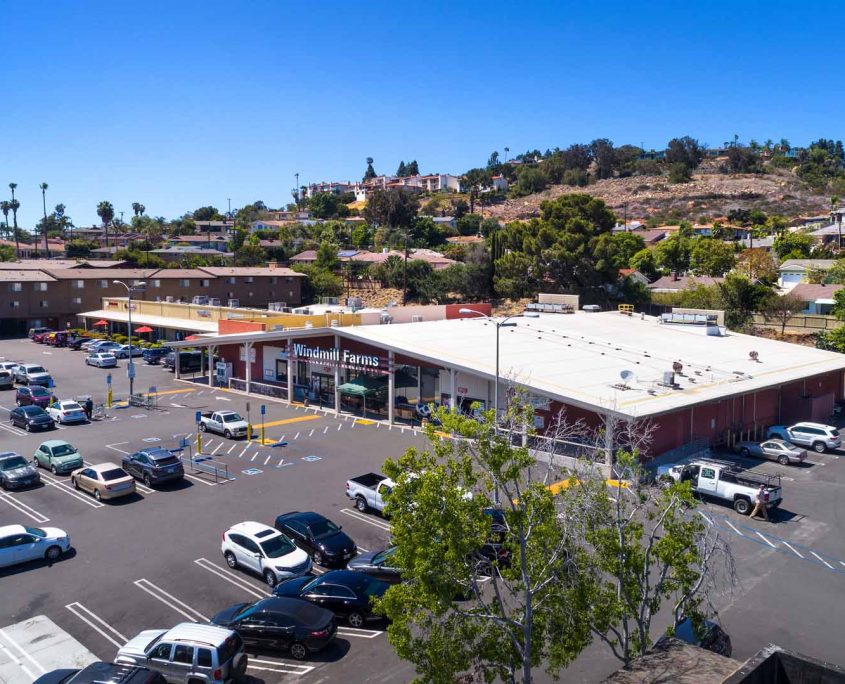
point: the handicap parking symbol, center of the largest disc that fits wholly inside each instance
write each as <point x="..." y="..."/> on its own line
<point x="311" y="459"/>
<point x="151" y="439"/>
<point x="252" y="471"/>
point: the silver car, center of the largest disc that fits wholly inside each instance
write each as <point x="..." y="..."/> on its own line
<point x="101" y="360"/>
<point x="32" y="374"/>
<point x="778" y="450"/>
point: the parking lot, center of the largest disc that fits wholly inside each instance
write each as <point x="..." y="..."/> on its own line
<point x="153" y="559"/>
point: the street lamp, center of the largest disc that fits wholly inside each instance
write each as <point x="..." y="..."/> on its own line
<point x="130" y="370"/>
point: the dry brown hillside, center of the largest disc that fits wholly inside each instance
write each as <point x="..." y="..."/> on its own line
<point x="710" y="193"/>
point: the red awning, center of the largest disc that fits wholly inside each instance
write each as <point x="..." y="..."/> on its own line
<point x="189" y="338"/>
<point x="143" y="329"/>
<point x="100" y="322"/>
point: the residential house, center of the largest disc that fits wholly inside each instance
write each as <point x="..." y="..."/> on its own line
<point x="445" y="222"/>
<point x="794" y="271"/>
<point x="435" y="259"/>
<point x="678" y="283"/>
<point x="818" y="299"/>
<point x="500" y="183"/>
<point x="175" y="253"/>
<point x="830" y="234"/>
<point x="223" y="227"/>
<point x="632" y="274"/>
<point x="216" y="242"/>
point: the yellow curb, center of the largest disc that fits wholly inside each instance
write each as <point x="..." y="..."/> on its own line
<point x="286" y="421"/>
<point x="365" y="422"/>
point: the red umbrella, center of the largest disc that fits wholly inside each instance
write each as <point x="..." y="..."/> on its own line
<point x="143" y="329"/>
<point x="101" y="322"/>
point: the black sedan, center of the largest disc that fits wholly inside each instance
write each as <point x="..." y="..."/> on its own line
<point x="378" y="564"/>
<point x="31" y="418"/>
<point x="280" y="624"/>
<point x="346" y="593"/>
<point x="318" y="536"/>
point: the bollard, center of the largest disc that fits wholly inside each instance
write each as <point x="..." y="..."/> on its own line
<point x="249" y="432"/>
<point x="108" y="399"/>
<point x="199" y="442"/>
<point x="262" y="433"/>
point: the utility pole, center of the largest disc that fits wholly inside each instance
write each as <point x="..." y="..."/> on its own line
<point x="297" y="189"/>
<point x="229" y="200"/>
<point x="43" y="187"/>
<point x="405" y="273"/>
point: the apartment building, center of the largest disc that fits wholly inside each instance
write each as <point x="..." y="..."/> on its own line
<point x="54" y="296"/>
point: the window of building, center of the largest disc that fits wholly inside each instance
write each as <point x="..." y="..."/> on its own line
<point x="17" y="287"/>
<point x="15" y="305"/>
<point x="205" y="282"/>
<point x="40" y="287"/>
<point x="231" y="280"/>
<point x="230" y="295"/>
<point x="77" y="300"/>
<point x="274" y="280"/>
<point x="249" y="280"/>
<point x="184" y="282"/>
<point x="155" y="283"/>
<point x="78" y="284"/>
<point x="43" y="304"/>
<point x="288" y="279"/>
<point x="104" y="284"/>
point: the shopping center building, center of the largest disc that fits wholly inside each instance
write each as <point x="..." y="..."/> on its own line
<point x="690" y="378"/>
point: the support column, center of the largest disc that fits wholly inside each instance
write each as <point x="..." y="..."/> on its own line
<point x="177" y="367"/>
<point x="337" y="378"/>
<point x="290" y="371"/>
<point x="247" y="350"/>
<point x="452" y="384"/>
<point x="203" y="365"/>
<point x="212" y="369"/>
<point x="391" y="388"/>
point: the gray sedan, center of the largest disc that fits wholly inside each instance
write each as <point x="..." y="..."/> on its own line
<point x="778" y="450"/>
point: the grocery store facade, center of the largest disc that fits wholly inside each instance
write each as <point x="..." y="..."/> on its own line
<point x="691" y="382"/>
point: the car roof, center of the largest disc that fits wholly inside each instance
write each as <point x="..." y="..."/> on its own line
<point x="156" y="452"/>
<point x="252" y="528"/>
<point x="30" y="409"/>
<point x="821" y="426"/>
<point x="202" y="634"/>
<point x="346" y="578"/>
<point x="12" y="529"/>
<point x="55" y="442"/>
<point x="8" y="454"/>
<point x="100" y="467"/>
<point x="306" y="516"/>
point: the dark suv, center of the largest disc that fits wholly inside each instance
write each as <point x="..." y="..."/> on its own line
<point x="103" y="673"/>
<point x="189" y="361"/>
<point x="154" y="355"/>
<point x="153" y="466"/>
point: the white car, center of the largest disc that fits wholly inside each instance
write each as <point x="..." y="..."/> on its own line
<point x="101" y="360"/>
<point x="9" y="366"/>
<point x="103" y="346"/>
<point x="123" y="351"/>
<point x="67" y="411"/>
<point x="818" y="436"/>
<point x="265" y="551"/>
<point x="19" y="544"/>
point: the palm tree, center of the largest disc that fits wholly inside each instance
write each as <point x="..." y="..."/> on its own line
<point x="43" y="187"/>
<point x="4" y="207"/>
<point x="105" y="211"/>
<point x="507" y="151"/>
<point x="14" y="205"/>
<point x="138" y="208"/>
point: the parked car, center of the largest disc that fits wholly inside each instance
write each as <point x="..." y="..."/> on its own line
<point x="153" y="466"/>
<point x="226" y="423"/>
<point x="725" y="482"/>
<point x="708" y="636"/>
<point x="9" y="366"/>
<point x="19" y="544"/>
<point x="188" y="653"/>
<point x="101" y="360"/>
<point x="369" y="491"/>
<point x="189" y="361"/>
<point x="32" y="374"/>
<point x="324" y="541"/>
<point x="264" y="551"/>
<point x="103" y="346"/>
<point x="103" y="673"/>
<point x="7" y="379"/>
<point x="40" y="337"/>
<point x="378" y="564"/>
<point x="349" y="595"/>
<point x="76" y="343"/>
<point x="774" y="450"/>
<point x="104" y="481"/>
<point x="154" y="355"/>
<point x="280" y="624"/>
<point x="818" y="436"/>
<point x="58" y="456"/>
<point x="67" y="411"/>
<point x="122" y="352"/>
<point x="56" y="339"/>
<point x="36" y="395"/>
<point x="38" y="331"/>
<point x="16" y="472"/>
<point x="31" y="418"/>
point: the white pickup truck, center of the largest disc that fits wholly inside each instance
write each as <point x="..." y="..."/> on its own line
<point x="369" y="491"/>
<point x="226" y="423"/>
<point x="725" y="481"/>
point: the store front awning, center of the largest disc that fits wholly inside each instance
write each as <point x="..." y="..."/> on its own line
<point x="152" y="321"/>
<point x="364" y="386"/>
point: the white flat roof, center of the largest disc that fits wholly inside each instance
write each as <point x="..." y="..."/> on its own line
<point x="578" y="358"/>
<point x="153" y="321"/>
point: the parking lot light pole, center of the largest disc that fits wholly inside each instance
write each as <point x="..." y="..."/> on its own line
<point x="130" y="367"/>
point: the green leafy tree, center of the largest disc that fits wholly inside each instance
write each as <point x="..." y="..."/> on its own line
<point x="327" y="205"/>
<point x="469" y="224"/>
<point x="401" y="170"/>
<point x="626" y="246"/>
<point x="516" y="276"/>
<point x="832" y="340"/>
<point x="678" y="173"/>
<point x="208" y="213"/>
<point x="603" y="157"/>
<point x="392" y="208"/>
<point x="712" y="257"/>
<point x="327" y="257"/>
<point x="5" y="207"/>
<point x="529" y="180"/>
<point x="673" y="253"/>
<point x="250" y="254"/>
<point x="741" y="298"/>
<point x="646" y="263"/>
<point x="370" y="173"/>
<point x="758" y="264"/>
<point x="7" y="253"/>
<point x="75" y="249"/>
<point x="781" y="309"/>
<point x="14" y="205"/>
<point x="685" y="151"/>
<point x="138" y="209"/>
<point x="472" y="182"/>
<point x="412" y="168"/>
<point x="362" y="236"/>
<point x="426" y="233"/>
<point x="105" y="211"/>
<point x="322" y="283"/>
<point x="793" y="246"/>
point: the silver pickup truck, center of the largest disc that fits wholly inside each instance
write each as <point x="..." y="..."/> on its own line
<point x="726" y="482"/>
<point x="369" y="491"/>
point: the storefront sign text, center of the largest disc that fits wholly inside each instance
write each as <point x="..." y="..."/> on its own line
<point x="336" y="356"/>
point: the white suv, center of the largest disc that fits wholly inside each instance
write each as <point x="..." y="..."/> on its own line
<point x="818" y="436"/>
<point x="265" y="551"/>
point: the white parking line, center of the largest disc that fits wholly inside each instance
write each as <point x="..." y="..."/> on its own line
<point x="734" y="528"/>
<point x="287" y="668"/>
<point x="231" y="448"/>
<point x="70" y="491"/>
<point x="795" y="551"/>
<point x="154" y="591"/>
<point x="360" y="633"/>
<point x="22" y="651"/>
<point x="77" y="609"/>
<point x="311" y="434"/>
<point x="296" y="436"/>
<point x="705" y="517"/>
<point x="269" y="456"/>
<point x="254" y="456"/>
<point x="144" y="490"/>
<point x="240" y="455"/>
<point x="361" y="548"/>
<point x="822" y="559"/>
<point x="339" y="425"/>
<point x="770" y="543"/>
<point x="326" y="429"/>
<point x="14" y="430"/>
<point x="23" y="508"/>
<point x="11" y="656"/>
<point x="375" y="522"/>
<point x="231" y="577"/>
<point x="117" y="444"/>
<point x="219" y="446"/>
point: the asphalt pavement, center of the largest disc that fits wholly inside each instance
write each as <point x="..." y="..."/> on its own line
<point x="153" y="560"/>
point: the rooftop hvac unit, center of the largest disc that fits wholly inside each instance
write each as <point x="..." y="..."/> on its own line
<point x="214" y="301"/>
<point x="169" y="299"/>
<point x="416" y="319"/>
<point x="233" y="303"/>
<point x="591" y="308"/>
<point x="276" y="328"/>
<point x="668" y="379"/>
<point x="200" y="299"/>
<point x="385" y="319"/>
<point x="355" y="302"/>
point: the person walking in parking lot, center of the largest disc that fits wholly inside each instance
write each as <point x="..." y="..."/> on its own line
<point x="760" y="504"/>
<point x="88" y="406"/>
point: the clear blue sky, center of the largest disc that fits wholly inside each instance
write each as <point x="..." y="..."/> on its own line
<point x="180" y="104"/>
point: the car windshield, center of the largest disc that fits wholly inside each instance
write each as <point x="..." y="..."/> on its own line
<point x="373" y="587"/>
<point x="277" y="546"/>
<point x="33" y="411"/>
<point x="311" y="585"/>
<point x="168" y="460"/>
<point x="39" y="392"/>
<point x="232" y="417"/>
<point x="70" y="406"/>
<point x="36" y="531"/>
<point x="323" y="528"/>
<point x="247" y="610"/>
<point x="12" y="463"/>
<point x="384" y="556"/>
<point x="114" y="474"/>
<point x="35" y="369"/>
<point x="835" y="433"/>
<point x="64" y="450"/>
